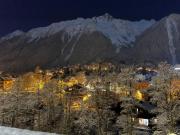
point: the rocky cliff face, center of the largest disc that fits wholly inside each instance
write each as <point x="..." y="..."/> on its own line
<point x="17" y="55"/>
<point x="161" y="42"/>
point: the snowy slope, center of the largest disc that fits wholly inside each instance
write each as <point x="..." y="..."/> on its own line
<point x="160" y="42"/>
<point x="120" y="32"/>
<point x="13" y="34"/>
<point x="172" y="27"/>
<point x="14" y="131"/>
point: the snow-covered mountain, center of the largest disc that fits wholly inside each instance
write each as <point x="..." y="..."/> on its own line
<point x="120" y="32"/>
<point x="102" y="38"/>
<point x="69" y="42"/>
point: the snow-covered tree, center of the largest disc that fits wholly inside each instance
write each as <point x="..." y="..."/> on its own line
<point x="168" y="108"/>
<point x="126" y="119"/>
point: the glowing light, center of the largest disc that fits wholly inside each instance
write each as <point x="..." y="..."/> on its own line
<point x="76" y="106"/>
<point x="8" y="84"/>
<point x="86" y="97"/>
<point x="138" y="95"/>
<point x="41" y="85"/>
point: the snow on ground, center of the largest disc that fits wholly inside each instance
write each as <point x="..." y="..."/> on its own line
<point x="14" y="131"/>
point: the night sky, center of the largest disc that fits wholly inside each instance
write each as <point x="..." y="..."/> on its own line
<point x="27" y="14"/>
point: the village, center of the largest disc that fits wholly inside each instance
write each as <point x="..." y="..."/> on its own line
<point x="101" y="95"/>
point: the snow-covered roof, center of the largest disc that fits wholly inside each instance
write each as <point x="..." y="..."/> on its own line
<point x="15" y="131"/>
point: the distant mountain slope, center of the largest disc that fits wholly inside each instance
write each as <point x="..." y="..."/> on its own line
<point x="161" y="42"/>
<point x="120" y="32"/>
<point x="70" y="42"/>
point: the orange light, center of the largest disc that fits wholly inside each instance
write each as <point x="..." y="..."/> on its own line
<point x="86" y="97"/>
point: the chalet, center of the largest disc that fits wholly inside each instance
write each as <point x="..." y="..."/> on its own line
<point x="79" y="98"/>
<point x="6" y="83"/>
<point x="140" y="88"/>
<point x="144" y="115"/>
<point x="79" y="79"/>
<point x="32" y="82"/>
<point x="119" y="89"/>
<point x="143" y="74"/>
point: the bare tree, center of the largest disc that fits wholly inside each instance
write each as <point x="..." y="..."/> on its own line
<point x="167" y="106"/>
<point x="126" y="119"/>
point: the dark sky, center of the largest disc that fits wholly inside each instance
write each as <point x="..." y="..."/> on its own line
<point x="27" y="14"/>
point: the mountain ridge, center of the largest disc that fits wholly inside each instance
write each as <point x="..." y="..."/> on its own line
<point x="162" y="41"/>
<point x="119" y="31"/>
<point x="83" y="41"/>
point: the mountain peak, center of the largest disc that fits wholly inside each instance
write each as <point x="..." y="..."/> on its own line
<point x="120" y="32"/>
<point x="107" y="17"/>
<point x="173" y="16"/>
<point x="13" y="34"/>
